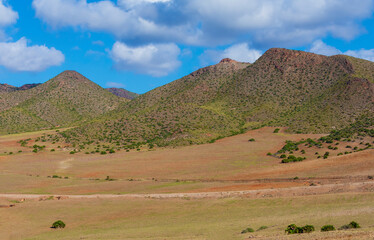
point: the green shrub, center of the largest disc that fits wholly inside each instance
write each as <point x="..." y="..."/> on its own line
<point x="327" y="228"/>
<point x="292" y="158"/>
<point x="352" y="224"/>
<point x="247" y="230"/>
<point x="293" y="229"/>
<point x="308" y="229"/>
<point x="262" y="228"/>
<point x="58" y="224"/>
<point x="276" y="130"/>
<point x="269" y="154"/>
<point x="251" y="140"/>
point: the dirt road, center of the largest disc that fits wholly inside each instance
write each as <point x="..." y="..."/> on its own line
<point x="367" y="186"/>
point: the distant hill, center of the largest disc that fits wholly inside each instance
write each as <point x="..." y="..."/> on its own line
<point x="10" y="88"/>
<point x="303" y="91"/>
<point x="120" y="92"/>
<point x="64" y="100"/>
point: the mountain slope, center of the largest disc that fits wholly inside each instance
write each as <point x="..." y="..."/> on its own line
<point x="10" y="88"/>
<point x="304" y="91"/>
<point x="120" y="92"/>
<point x="61" y="101"/>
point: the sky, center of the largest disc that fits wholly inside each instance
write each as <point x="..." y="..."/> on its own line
<point x="142" y="44"/>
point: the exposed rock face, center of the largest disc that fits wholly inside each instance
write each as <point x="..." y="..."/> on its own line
<point x="228" y="60"/>
<point x="123" y="93"/>
<point x="28" y="86"/>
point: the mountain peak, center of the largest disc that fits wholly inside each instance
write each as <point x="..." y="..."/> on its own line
<point x="227" y="60"/>
<point x="70" y="73"/>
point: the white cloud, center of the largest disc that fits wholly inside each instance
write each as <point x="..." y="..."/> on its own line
<point x="239" y="52"/>
<point x="128" y="4"/>
<point x="282" y="22"/>
<point x="153" y="59"/>
<point x="319" y="47"/>
<point x="17" y="56"/>
<point x="7" y="15"/>
<point x="105" y="16"/>
<point x="362" y="53"/>
<point x="266" y="23"/>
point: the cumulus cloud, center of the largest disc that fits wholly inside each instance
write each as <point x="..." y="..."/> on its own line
<point x="105" y="16"/>
<point x="266" y="23"/>
<point x="319" y="47"/>
<point x="17" y="56"/>
<point x="128" y="4"/>
<point x="362" y="53"/>
<point x="7" y="15"/>
<point x="239" y="52"/>
<point x="153" y="59"/>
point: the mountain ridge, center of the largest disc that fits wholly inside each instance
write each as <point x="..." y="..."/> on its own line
<point x="303" y="91"/>
<point x="63" y="100"/>
<point x="306" y="92"/>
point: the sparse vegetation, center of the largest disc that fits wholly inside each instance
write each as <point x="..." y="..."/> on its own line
<point x="58" y="224"/>
<point x="247" y="230"/>
<point x="352" y="224"/>
<point x="293" y="229"/>
<point x="262" y="228"/>
<point x="327" y="228"/>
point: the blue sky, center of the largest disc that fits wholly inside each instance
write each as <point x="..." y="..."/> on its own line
<point x="143" y="44"/>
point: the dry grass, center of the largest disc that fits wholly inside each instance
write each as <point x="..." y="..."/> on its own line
<point x="186" y="219"/>
<point x="212" y="167"/>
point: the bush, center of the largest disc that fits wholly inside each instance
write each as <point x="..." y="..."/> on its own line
<point x="251" y="140"/>
<point x="308" y="229"/>
<point x="292" y="158"/>
<point x="352" y="224"/>
<point x="276" y="130"/>
<point x="248" y="230"/>
<point x="58" y="224"/>
<point x="293" y="229"/>
<point x="327" y="228"/>
<point x="269" y="154"/>
<point x="262" y="228"/>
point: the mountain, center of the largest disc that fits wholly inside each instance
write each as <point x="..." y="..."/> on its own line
<point x="63" y="101"/>
<point x="303" y="91"/>
<point x="120" y="92"/>
<point x="10" y="88"/>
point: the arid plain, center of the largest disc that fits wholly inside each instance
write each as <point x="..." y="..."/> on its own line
<point x="208" y="191"/>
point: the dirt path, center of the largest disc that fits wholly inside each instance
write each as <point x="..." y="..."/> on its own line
<point x="263" y="193"/>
